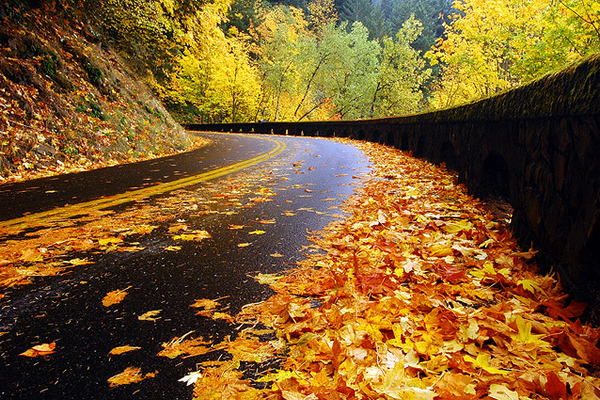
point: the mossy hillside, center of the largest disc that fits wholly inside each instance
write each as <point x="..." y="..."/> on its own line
<point x="69" y="102"/>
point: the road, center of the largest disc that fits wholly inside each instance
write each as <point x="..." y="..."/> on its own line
<point x="256" y="196"/>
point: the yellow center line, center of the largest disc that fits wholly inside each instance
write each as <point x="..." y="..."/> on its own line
<point x="46" y="217"/>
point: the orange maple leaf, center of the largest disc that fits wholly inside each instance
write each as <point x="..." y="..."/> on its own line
<point x="114" y="297"/>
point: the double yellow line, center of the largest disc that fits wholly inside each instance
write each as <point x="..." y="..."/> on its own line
<point x="47" y="217"/>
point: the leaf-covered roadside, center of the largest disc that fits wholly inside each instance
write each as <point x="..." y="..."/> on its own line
<point x="417" y="294"/>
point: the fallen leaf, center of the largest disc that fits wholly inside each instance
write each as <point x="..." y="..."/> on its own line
<point x="114" y="297"/>
<point x="31" y="255"/>
<point x="483" y="362"/>
<point x="123" y="349"/>
<point x="257" y="232"/>
<point x="79" y="261"/>
<point x="243" y="244"/>
<point x="128" y="376"/>
<point x="190" y="347"/>
<point x="177" y="228"/>
<point x="225" y="316"/>
<point x="531" y="285"/>
<point x="150" y="315"/>
<point x="500" y="392"/>
<point x="196" y="236"/>
<point x="43" y="349"/>
<point x="191" y="378"/>
<point x="266" y="221"/>
<point x="554" y="387"/>
<point x="144" y="229"/>
<point x="235" y="227"/>
<point x="206" y="304"/>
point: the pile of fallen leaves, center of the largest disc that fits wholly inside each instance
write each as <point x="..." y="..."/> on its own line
<point x="417" y="294"/>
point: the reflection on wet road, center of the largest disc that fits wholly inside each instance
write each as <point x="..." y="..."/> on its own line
<point x="203" y="240"/>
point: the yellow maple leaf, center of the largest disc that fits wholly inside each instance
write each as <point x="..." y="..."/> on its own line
<point x="531" y="285"/>
<point x="460" y="226"/>
<point x="440" y="250"/>
<point x="207" y="304"/>
<point x="196" y="235"/>
<point x="144" y="229"/>
<point x="483" y="362"/>
<point x="178" y="346"/>
<point x="185" y="236"/>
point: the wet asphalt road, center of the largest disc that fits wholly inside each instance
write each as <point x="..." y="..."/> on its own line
<point x="68" y="309"/>
<point x="17" y="199"/>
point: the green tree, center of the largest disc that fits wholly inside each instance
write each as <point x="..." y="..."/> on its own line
<point x="428" y="12"/>
<point x="244" y="15"/>
<point x="348" y="76"/>
<point x="401" y="74"/>
<point x="282" y="54"/>
<point x="356" y="11"/>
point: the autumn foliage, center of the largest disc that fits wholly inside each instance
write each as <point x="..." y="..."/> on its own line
<point x="419" y="293"/>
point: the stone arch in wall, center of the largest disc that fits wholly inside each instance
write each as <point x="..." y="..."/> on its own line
<point x="390" y="138"/>
<point x="591" y="261"/>
<point x="419" y="150"/>
<point x="449" y="156"/>
<point x="374" y="136"/>
<point x="495" y="177"/>
<point x="404" y="146"/>
<point x="381" y="136"/>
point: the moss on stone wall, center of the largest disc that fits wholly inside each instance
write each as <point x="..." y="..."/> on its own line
<point x="570" y="92"/>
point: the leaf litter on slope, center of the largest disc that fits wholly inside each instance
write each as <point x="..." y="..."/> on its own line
<point x="418" y="293"/>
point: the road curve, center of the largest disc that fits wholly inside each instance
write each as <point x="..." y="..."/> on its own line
<point x="307" y="176"/>
<point x="20" y="198"/>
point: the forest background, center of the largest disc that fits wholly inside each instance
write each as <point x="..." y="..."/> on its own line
<point x="74" y="73"/>
<point x="249" y="60"/>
